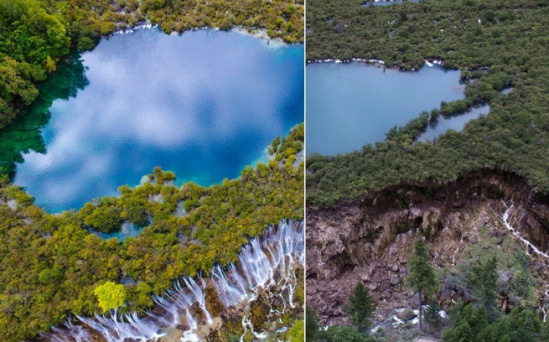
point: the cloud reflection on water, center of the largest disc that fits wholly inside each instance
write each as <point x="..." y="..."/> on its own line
<point x="203" y="105"/>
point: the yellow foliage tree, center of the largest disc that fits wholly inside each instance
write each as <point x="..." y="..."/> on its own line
<point x="297" y="332"/>
<point x="110" y="295"/>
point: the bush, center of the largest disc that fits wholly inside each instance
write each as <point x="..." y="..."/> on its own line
<point x="347" y="334"/>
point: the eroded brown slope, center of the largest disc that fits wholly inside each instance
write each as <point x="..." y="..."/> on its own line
<point x="370" y="240"/>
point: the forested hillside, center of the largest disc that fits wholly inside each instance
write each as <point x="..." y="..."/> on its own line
<point x="497" y="44"/>
<point x="51" y="265"/>
<point x="36" y="34"/>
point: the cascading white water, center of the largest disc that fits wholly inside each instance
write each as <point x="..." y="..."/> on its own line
<point x="247" y="325"/>
<point x="280" y="250"/>
<point x="508" y="225"/>
<point x="457" y="250"/>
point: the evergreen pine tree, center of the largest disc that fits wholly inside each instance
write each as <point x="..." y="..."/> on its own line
<point x="311" y="325"/>
<point x="544" y="332"/>
<point x="468" y="324"/>
<point x="422" y="276"/>
<point x="484" y="280"/>
<point x="525" y="325"/>
<point x="460" y="333"/>
<point x="523" y="283"/>
<point x="361" y="307"/>
<point x="432" y="316"/>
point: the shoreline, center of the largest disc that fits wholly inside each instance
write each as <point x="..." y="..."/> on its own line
<point x="378" y="63"/>
<point x="262" y="35"/>
<point x="259" y="33"/>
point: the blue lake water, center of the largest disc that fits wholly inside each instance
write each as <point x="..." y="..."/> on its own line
<point x="352" y="104"/>
<point x="127" y="230"/>
<point x="203" y="105"/>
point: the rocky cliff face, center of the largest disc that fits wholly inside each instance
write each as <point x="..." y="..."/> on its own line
<point x="370" y="240"/>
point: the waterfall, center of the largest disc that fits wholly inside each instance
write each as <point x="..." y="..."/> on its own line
<point x="507" y="223"/>
<point x="457" y="250"/>
<point x="247" y="325"/>
<point x="265" y="261"/>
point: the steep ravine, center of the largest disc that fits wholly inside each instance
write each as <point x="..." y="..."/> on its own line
<point x="370" y="240"/>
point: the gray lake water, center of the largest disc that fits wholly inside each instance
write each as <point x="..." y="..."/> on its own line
<point x="352" y="104"/>
<point x="455" y="123"/>
<point x="386" y="3"/>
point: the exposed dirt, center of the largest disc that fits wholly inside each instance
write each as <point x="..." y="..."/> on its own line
<point x="370" y="240"/>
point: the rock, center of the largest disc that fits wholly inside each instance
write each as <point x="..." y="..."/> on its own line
<point x="182" y="327"/>
<point x="415" y="211"/>
<point x="538" y="265"/>
<point x="277" y="301"/>
<point x="394" y="280"/>
<point x="503" y="277"/>
<point x="407" y="315"/>
<point x="372" y="287"/>
<point x="259" y="310"/>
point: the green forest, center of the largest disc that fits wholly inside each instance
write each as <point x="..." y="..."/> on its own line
<point x="496" y="44"/>
<point x="36" y="34"/>
<point x="54" y="267"/>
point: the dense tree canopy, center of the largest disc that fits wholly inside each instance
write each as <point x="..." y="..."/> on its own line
<point x="470" y="324"/>
<point x="31" y="42"/>
<point x="345" y="333"/>
<point x="495" y="43"/>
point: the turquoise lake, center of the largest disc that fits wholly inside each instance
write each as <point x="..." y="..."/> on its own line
<point x="203" y="104"/>
<point x="353" y="104"/>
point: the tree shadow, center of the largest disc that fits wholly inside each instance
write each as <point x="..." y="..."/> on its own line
<point x="25" y="133"/>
